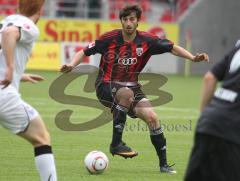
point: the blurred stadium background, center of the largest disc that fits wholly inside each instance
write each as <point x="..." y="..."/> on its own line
<point x="210" y="26"/>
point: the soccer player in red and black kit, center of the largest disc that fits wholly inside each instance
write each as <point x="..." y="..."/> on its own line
<point x="125" y="52"/>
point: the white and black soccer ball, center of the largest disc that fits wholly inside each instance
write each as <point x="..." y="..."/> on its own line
<point x="96" y="162"/>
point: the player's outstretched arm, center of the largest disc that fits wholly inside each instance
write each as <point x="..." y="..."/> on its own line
<point x="10" y="36"/>
<point x="181" y="52"/>
<point x="208" y="88"/>
<point x="33" y="78"/>
<point x="78" y="57"/>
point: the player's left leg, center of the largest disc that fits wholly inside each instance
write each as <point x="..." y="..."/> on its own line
<point x="145" y="111"/>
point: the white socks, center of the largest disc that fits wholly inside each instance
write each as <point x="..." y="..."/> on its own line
<point x="45" y="163"/>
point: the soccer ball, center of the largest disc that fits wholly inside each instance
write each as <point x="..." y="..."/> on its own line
<point x="96" y="162"/>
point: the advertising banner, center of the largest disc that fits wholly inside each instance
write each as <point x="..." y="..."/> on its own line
<point x="65" y="30"/>
<point x="45" y="56"/>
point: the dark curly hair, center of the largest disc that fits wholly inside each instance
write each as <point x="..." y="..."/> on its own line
<point x="127" y="10"/>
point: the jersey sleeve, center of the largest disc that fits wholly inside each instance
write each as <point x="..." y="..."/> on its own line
<point x="220" y="68"/>
<point x="159" y="46"/>
<point x="94" y="47"/>
<point x="101" y="44"/>
<point x="28" y="33"/>
<point x="90" y="49"/>
<point x="27" y="29"/>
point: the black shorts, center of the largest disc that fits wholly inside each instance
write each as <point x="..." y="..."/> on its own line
<point x="106" y="93"/>
<point x="213" y="159"/>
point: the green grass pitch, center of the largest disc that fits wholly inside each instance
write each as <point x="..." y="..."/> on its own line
<point x="70" y="147"/>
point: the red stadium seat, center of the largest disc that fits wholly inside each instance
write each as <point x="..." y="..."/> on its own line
<point x="8" y="7"/>
<point x="10" y="11"/>
<point x="182" y="6"/>
<point x="146" y="5"/>
<point x="166" y="16"/>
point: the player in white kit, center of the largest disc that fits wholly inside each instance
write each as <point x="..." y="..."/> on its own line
<point x="17" y="35"/>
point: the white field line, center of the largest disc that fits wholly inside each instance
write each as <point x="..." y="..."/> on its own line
<point x="42" y="102"/>
<point x="78" y="116"/>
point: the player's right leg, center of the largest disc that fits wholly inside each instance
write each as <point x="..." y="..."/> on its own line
<point x="23" y="120"/>
<point x="198" y="166"/>
<point x="37" y="134"/>
<point x="119" y="100"/>
<point x="124" y="98"/>
<point x="213" y="158"/>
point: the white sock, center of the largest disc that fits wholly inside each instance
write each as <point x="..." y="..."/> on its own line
<point x="46" y="166"/>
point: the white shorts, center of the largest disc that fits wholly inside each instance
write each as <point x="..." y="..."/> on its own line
<point x="15" y="114"/>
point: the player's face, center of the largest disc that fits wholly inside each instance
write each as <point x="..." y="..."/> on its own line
<point x="129" y="23"/>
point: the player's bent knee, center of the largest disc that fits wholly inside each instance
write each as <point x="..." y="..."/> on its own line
<point x="152" y="118"/>
<point x="125" y="95"/>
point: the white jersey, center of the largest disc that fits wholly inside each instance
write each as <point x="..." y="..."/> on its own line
<point x="28" y="34"/>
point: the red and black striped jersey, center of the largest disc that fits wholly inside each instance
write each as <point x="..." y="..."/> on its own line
<point x="123" y="61"/>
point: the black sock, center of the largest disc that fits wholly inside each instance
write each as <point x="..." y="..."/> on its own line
<point x="159" y="142"/>
<point x="45" y="149"/>
<point x="119" y="119"/>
